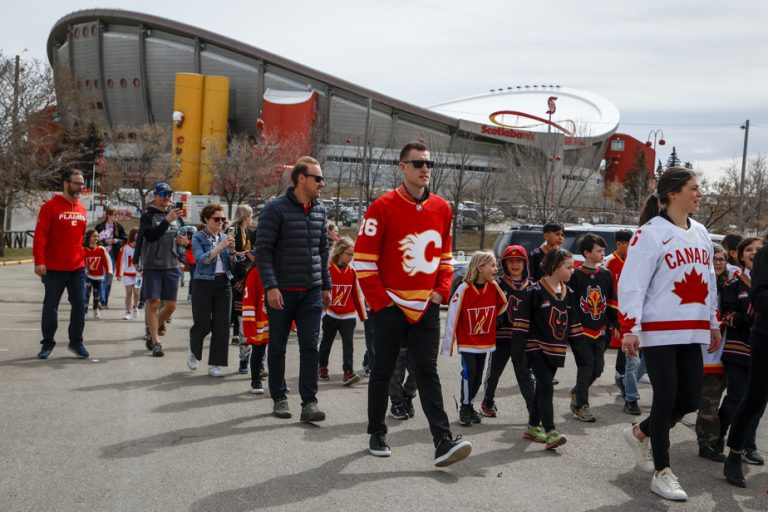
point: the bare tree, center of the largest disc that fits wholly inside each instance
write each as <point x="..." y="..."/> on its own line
<point x="250" y="167"/>
<point x="28" y="147"/>
<point x="487" y="193"/>
<point x="136" y="158"/>
<point x="459" y="181"/>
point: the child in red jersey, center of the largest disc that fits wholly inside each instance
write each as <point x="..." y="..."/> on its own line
<point x="97" y="265"/>
<point x="346" y="302"/>
<point x="554" y="322"/>
<point x="471" y="325"/>
<point x="126" y="272"/>
<point x="255" y="327"/>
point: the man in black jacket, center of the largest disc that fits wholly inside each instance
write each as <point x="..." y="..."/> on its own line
<point x="292" y="257"/>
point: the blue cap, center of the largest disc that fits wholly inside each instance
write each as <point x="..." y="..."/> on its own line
<point x="161" y="188"/>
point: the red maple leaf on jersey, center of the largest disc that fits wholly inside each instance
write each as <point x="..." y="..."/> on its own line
<point x="692" y="289"/>
<point x="626" y="323"/>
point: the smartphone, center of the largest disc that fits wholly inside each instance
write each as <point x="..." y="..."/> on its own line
<point x="178" y="205"/>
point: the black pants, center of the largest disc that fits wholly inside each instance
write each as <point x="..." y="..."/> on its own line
<point x="369" y="356"/>
<point x="677" y="374"/>
<point x="542" y="410"/>
<point x="590" y="361"/>
<point x="506" y="350"/>
<point x="737" y="383"/>
<point x="55" y="282"/>
<point x="92" y="287"/>
<point x="398" y="389"/>
<point x="211" y="306"/>
<point x="752" y="406"/>
<point x="472" y="366"/>
<point x="330" y="327"/>
<point x="422" y="339"/>
<point x="257" y="362"/>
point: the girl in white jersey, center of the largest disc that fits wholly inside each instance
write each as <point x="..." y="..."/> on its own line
<point x="667" y="305"/>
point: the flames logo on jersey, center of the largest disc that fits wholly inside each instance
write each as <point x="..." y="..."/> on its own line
<point x="414" y="248"/>
<point x="558" y="321"/>
<point x="593" y="304"/>
<point x="340" y="294"/>
<point x="481" y="319"/>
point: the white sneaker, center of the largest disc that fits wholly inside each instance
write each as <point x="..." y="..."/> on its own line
<point x="640" y="449"/>
<point x="665" y="484"/>
<point x="645" y="379"/>
<point x="191" y="361"/>
<point x="96" y="315"/>
<point x="127" y="315"/>
<point x="215" y="371"/>
<point x="135" y="313"/>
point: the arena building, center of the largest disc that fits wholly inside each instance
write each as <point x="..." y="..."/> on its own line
<point x="125" y="64"/>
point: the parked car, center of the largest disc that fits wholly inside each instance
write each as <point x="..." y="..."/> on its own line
<point x="469" y="219"/>
<point x="459" y="271"/>
<point x="349" y="217"/>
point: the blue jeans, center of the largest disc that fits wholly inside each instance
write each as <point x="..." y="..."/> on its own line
<point x="106" y="286"/>
<point x="634" y="370"/>
<point x="304" y="308"/>
<point x="55" y="282"/>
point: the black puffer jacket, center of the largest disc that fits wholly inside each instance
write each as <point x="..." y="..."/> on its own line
<point x="291" y="247"/>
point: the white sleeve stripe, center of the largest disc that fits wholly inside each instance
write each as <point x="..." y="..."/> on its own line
<point x="364" y="265"/>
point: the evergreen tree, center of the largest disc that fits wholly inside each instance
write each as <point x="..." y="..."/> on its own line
<point x="688" y="165"/>
<point x="659" y="170"/>
<point x="673" y="160"/>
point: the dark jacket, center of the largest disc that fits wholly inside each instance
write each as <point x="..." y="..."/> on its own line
<point x="118" y="233"/>
<point x="158" y="247"/>
<point x="292" y="247"/>
<point x="759" y="296"/>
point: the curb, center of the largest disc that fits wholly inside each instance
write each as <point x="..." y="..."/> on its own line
<point x="15" y="262"/>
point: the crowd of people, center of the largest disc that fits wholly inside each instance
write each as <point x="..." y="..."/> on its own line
<point x="691" y="314"/>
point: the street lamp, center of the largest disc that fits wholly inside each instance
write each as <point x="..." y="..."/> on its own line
<point x="655" y="134"/>
<point x="744" y="127"/>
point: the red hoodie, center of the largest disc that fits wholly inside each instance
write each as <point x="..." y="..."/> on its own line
<point x="59" y="235"/>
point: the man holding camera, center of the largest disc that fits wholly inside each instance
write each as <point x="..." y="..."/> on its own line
<point x="159" y="235"/>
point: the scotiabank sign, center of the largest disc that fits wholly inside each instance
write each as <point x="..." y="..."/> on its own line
<point x="506" y="132"/>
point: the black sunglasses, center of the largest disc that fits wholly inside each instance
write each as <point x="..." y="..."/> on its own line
<point x="318" y="178"/>
<point x="219" y="219"/>
<point x="418" y="164"/>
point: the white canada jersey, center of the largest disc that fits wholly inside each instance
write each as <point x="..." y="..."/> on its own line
<point x="667" y="291"/>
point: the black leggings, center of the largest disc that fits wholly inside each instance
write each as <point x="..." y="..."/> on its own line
<point x="542" y="410"/>
<point x="506" y="350"/>
<point x="753" y="404"/>
<point x="738" y="381"/>
<point x="346" y="327"/>
<point x="92" y="286"/>
<point x="677" y="374"/>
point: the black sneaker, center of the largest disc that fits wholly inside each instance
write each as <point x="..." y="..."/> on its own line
<point x="408" y="406"/>
<point x="476" y="416"/>
<point x="148" y="340"/>
<point x="157" y="350"/>
<point x="79" y="351"/>
<point x="733" y="471"/>
<point x="710" y="453"/>
<point x="632" y="408"/>
<point x="465" y="416"/>
<point x="243" y="368"/>
<point x="257" y="388"/>
<point x="752" y="457"/>
<point x="45" y="352"/>
<point x="451" y="450"/>
<point x="398" y="412"/>
<point x="377" y="446"/>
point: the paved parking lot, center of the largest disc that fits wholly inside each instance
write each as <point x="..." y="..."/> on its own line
<point x="125" y="431"/>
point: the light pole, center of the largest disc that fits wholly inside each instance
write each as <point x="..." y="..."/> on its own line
<point x="657" y="132"/>
<point x="744" y="127"/>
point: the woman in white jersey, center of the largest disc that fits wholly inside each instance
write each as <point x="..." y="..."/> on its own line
<point x="667" y="305"/>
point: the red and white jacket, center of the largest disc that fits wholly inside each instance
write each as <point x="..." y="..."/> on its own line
<point x="667" y="290"/>
<point x="125" y="266"/>
<point x="97" y="262"/>
<point x="346" y="296"/>
<point x="471" y="322"/>
<point x="403" y="252"/>
<point x="255" y="321"/>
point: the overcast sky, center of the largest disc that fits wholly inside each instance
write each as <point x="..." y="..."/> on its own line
<point x="694" y="69"/>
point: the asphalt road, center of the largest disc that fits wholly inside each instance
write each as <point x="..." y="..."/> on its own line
<point x="125" y="431"/>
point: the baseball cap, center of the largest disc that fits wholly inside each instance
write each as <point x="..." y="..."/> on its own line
<point x="162" y="189"/>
